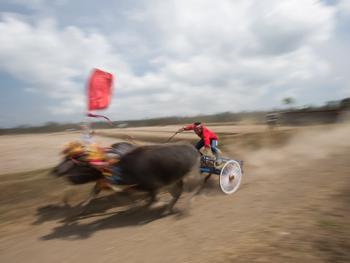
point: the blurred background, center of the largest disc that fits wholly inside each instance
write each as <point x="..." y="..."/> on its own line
<point x="270" y="78"/>
<point x="170" y="58"/>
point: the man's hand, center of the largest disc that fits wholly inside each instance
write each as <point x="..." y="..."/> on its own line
<point x="206" y="150"/>
<point x="180" y="130"/>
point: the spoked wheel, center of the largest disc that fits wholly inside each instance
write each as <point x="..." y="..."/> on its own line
<point x="230" y="177"/>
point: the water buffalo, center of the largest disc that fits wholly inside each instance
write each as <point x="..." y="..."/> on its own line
<point x="144" y="168"/>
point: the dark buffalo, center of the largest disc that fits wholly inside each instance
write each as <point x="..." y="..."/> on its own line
<point x="143" y="168"/>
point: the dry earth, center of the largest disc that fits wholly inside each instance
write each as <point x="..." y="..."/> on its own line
<point x="27" y="152"/>
<point x="293" y="205"/>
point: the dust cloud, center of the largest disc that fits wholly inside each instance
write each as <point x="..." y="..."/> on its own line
<point x="304" y="145"/>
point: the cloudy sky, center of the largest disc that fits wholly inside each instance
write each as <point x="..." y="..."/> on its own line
<point x="180" y="57"/>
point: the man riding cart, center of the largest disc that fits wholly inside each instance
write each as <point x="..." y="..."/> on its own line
<point x="208" y="138"/>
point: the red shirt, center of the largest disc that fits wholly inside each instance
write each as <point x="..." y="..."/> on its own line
<point x="204" y="134"/>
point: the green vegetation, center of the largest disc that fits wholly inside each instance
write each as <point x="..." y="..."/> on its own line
<point x="257" y="117"/>
<point x="224" y="117"/>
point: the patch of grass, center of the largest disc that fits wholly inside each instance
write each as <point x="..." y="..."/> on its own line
<point x="328" y="223"/>
<point x="21" y="192"/>
<point x="23" y="175"/>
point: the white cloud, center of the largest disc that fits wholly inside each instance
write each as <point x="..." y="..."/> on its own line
<point x="197" y="56"/>
<point x="283" y="26"/>
<point x="344" y="7"/>
<point x="51" y="60"/>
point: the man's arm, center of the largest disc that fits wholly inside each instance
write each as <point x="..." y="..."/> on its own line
<point x="186" y="128"/>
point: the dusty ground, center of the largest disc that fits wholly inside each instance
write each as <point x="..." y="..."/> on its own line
<point x="293" y="206"/>
<point x="36" y="151"/>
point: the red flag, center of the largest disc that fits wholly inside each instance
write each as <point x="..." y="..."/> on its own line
<point x="99" y="89"/>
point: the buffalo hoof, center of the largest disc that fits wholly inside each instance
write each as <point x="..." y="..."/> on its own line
<point x="171" y="211"/>
<point x="157" y="205"/>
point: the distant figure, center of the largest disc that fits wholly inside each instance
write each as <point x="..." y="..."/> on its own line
<point x="208" y="138"/>
<point x="272" y="119"/>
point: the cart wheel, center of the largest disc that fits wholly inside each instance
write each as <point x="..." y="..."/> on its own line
<point x="230" y="177"/>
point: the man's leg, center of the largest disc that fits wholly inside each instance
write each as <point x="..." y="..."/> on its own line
<point x="213" y="145"/>
<point x="199" y="144"/>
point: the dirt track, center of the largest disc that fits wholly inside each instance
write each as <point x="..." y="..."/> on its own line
<point x="291" y="207"/>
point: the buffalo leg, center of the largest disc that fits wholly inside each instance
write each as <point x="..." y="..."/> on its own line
<point x="152" y="198"/>
<point x="175" y="191"/>
<point x="207" y="178"/>
<point x="94" y="192"/>
<point x="83" y="206"/>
